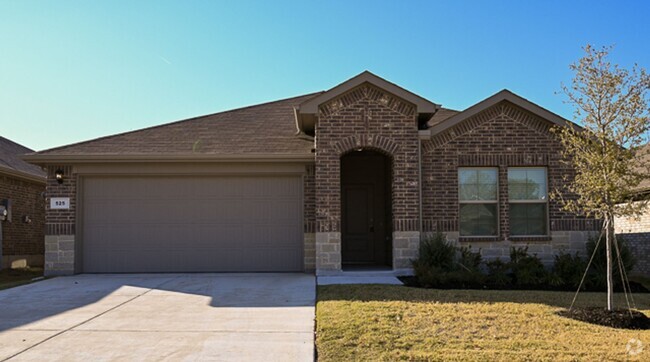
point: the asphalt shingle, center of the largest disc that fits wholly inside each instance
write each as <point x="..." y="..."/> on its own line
<point x="10" y="159"/>
<point x="267" y="128"/>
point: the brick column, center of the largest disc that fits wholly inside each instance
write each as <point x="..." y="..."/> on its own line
<point x="60" y="225"/>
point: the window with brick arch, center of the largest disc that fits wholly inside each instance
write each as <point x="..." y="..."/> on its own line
<point x="478" y="201"/>
<point x="528" y="201"/>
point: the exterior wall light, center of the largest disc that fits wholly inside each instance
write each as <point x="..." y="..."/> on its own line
<point x="58" y="174"/>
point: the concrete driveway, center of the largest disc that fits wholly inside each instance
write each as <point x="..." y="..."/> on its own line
<point x="153" y="317"/>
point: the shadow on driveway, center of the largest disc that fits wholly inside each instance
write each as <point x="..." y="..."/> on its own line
<point x="65" y="302"/>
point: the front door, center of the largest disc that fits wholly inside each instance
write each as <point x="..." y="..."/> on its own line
<point x="365" y="209"/>
<point x="359" y="224"/>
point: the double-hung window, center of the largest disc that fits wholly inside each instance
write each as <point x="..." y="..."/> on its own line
<point x="477" y="197"/>
<point x="528" y="201"/>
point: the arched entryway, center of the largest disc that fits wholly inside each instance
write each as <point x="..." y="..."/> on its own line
<point x="366" y="210"/>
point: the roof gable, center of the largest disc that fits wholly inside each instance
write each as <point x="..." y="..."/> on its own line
<point x="504" y="95"/>
<point x="306" y="112"/>
<point x="423" y="105"/>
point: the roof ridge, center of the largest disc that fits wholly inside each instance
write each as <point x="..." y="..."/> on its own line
<point x="175" y="122"/>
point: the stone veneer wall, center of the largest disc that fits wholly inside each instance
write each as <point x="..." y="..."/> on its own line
<point x="502" y="136"/>
<point x="21" y="240"/>
<point x="60" y="225"/>
<point x="366" y="118"/>
<point x="636" y="233"/>
<point x="405" y="249"/>
<point x="561" y="241"/>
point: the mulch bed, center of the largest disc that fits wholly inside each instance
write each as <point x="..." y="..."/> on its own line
<point x="618" y="318"/>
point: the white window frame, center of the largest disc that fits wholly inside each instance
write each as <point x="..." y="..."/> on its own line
<point x="496" y="201"/>
<point x="535" y="201"/>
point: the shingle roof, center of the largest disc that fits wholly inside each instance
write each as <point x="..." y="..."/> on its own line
<point x="267" y="128"/>
<point x="11" y="162"/>
<point x="441" y="115"/>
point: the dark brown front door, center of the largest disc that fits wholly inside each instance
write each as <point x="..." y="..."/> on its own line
<point x="365" y="206"/>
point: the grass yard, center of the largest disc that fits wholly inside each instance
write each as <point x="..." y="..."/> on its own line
<point x="10" y="278"/>
<point x="384" y="322"/>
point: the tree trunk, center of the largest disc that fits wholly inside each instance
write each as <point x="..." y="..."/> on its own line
<point x="609" y="238"/>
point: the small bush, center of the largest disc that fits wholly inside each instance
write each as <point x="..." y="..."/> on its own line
<point x="443" y="265"/>
<point x="526" y="270"/>
<point x="427" y="276"/>
<point x="567" y="270"/>
<point x="598" y="269"/>
<point x="597" y="277"/>
<point x="469" y="260"/>
<point x="436" y="252"/>
<point x="462" y="279"/>
<point x="498" y="273"/>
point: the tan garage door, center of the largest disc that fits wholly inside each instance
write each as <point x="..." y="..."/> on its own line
<point x="191" y="224"/>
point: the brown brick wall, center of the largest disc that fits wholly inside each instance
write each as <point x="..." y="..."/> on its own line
<point x="309" y="199"/>
<point x="60" y="222"/>
<point x="19" y="237"/>
<point x="502" y="136"/>
<point x="367" y="117"/>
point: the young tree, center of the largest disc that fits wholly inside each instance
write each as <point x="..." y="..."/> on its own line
<point x="611" y="103"/>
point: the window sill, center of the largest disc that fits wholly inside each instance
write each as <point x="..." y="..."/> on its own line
<point x="479" y="238"/>
<point x="530" y="238"/>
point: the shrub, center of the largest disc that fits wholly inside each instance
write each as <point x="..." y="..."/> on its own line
<point x="441" y="264"/>
<point x="498" y="273"/>
<point x="436" y="252"/>
<point x="598" y="270"/>
<point x="526" y="270"/>
<point x="468" y="260"/>
<point x="427" y="276"/>
<point x="567" y="270"/>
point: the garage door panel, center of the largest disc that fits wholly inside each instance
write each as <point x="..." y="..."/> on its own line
<point x="187" y="224"/>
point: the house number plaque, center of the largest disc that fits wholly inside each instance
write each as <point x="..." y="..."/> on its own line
<point x="60" y="203"/>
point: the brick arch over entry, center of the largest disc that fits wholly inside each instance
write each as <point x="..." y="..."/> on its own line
<point x="380" y="144"/>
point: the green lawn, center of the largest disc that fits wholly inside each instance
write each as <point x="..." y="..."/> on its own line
<point x="10" y="278"/>
<point x="381" y="322"/>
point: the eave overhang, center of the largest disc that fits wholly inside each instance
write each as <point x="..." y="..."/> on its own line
<point x="21" y="175"/>
<point x="46" y="159"/>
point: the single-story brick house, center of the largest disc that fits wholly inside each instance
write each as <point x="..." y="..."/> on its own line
<point x="22" y="187"/>
<point x="344" y="179"/>
<point x="636" y="230"/>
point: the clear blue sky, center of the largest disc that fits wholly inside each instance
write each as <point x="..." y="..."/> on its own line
<point x="75" y="70"/>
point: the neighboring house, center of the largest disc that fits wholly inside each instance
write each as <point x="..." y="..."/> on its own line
<point x="346" y="179"/>
<point x="636" y="230"/>
<point x="22" y="188"/>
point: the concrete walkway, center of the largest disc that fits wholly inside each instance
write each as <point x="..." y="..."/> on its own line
<point x="221" y="317"/>
<point x="360" y="277"/>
